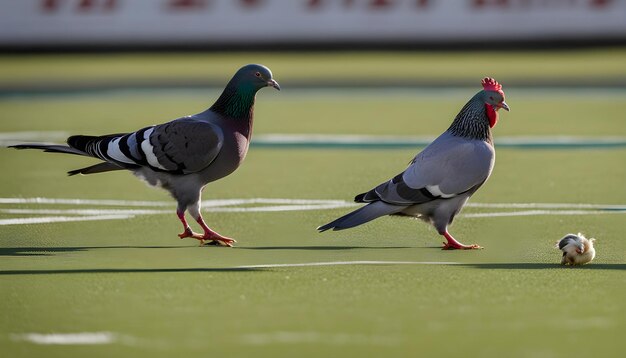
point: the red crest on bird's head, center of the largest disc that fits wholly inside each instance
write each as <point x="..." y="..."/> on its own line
<point x="490" y="84"/>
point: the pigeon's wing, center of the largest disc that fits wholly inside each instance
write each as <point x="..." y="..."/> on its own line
<point x="396" y="191"/>
<point x="570" y="239"/>
<point x="181" y="146"/>
<point x="448" y="167"/>
<point x="185" y="146"/>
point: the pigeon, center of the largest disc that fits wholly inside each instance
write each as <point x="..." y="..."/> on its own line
<point x="441" y="178"/>
<point x="577" y="249"/>
<point x="185" y="154"/>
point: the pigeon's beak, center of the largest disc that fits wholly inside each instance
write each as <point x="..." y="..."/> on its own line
<point x="274" y="84"/>
<point x="503" y="105"/>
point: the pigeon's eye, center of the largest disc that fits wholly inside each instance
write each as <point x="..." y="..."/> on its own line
<point x="491" y="98"/>
<point x="258" y="74"/>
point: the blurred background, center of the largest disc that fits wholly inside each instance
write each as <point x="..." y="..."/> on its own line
<point x="356" y="60"/>
<point x="260" y="24"/>
<point x="402" y="42"/>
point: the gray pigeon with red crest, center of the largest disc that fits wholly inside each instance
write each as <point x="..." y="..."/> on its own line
<point x="440" y="179"/>
<point x="183" y="155"/>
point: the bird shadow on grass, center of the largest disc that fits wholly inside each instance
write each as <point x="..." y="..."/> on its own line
<point x="127" y="270"/>
<point x="49" y="251"/>
<point x="542" y="266"/>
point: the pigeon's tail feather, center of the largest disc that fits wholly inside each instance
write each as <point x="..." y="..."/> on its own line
<point x="91" y="144"/>
<point x="81" y="141"/>
<point x="361" y="216"/>
<point x="367" y="197"/>
<point x="360" y="198"/>
<point x="52" y="148"/>
<point x="98" y="168"/>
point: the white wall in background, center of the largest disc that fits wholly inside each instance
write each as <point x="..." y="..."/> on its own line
<point x="71" y="22"/>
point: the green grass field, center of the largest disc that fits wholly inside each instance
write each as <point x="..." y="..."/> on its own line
<point x="149" y="294"/>
<point x="594" y="66"/>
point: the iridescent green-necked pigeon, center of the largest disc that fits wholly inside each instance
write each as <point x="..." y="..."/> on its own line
<point x="183" y="155"/>
<point x="441" y="178"/>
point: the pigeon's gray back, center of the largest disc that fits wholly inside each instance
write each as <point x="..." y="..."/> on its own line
<point x="453" y="164"/>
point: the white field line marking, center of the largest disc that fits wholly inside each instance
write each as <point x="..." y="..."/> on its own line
<point x="97" y="212"/>
<point x="255" y="205"/>
<point x="83" y="202"/>
<point x="116" y="214"/>
<point x="57" y="219"/>
<point x="339" y="203"/>
<point x="541" y="212"/>
<point x="205" y="203"/>
<point x="86" y="212"/>
<point x="545" y="206"/>
<point x="12" y="138"/>
<point x="270" y="201"/>
<point x="82" y="338"/>
<point x="280" y="208"/>
<point x="338" y="263"/>
<point x="93" y="215"/>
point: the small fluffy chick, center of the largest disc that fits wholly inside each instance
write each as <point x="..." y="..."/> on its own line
<point x="577" y="249"/>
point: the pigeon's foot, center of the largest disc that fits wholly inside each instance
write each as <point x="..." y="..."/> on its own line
<point x="448" y="246"/>
<point x="212" y="237"/>
<point x="187" y="233"/>
<point x="452" y="244"/>
<point x="215" y="239"/>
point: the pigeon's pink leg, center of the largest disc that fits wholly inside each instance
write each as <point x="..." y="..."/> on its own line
<point x="212" y="235"/>
<point x="452" y="244"/>
<point x="188" y="232"/>
<point x="208" y="233"/>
